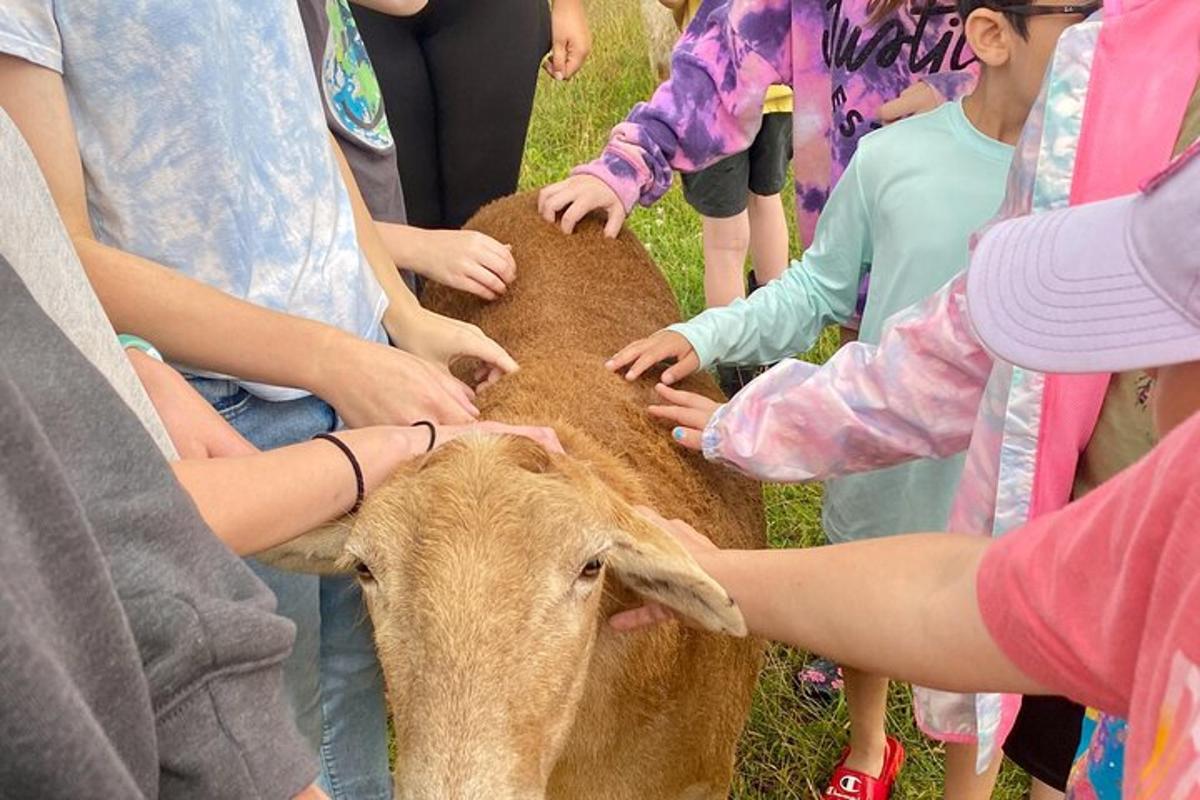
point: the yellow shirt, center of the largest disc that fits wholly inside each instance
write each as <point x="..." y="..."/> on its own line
<point x="779" y="98"/>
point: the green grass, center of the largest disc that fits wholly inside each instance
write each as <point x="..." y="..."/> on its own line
<point x="788" y="747"/>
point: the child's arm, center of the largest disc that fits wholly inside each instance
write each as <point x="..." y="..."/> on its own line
<point x="916" y="395"/>
<point x="787" y="315"/>
<point x="784" y="317"/>
<point x="711" y="107"/>
<point x="899" y="606"/>
<point x="469" y="261"/>
<point x="423" y="333"/>
<point x="142" y="297"/>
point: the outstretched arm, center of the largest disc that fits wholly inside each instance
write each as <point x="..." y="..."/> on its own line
<point x="257" y="501"/>
<point x="148" y="299"/>
<point x="915" y="395"/>
<point x="903" y="606"/>
<point x="784" y="317"/>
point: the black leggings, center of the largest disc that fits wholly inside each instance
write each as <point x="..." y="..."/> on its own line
<point x="458" y="80"/>
<point x="1045" y="738"/>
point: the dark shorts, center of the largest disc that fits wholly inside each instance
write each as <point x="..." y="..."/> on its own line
<point x="1045" y="738"/>
<point x="720" y="190"/>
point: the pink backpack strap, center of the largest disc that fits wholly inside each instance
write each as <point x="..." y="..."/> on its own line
<point x="1146" y="66"/>
<point x="1145" y="70"/>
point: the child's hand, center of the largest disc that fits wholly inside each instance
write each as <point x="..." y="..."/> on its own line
<point x="546" y="437"/>
<point x="443" y="341"/>
<point x="572" y="41"/>
<point x="469" y="261"/>
<point x="645" y="353"/>
<point x="195" y="427"/>
<point x="578" y="196"/>
<point x="697" y="544"/>
<point x="689" y="412"/>
<point x="916" y="99"/>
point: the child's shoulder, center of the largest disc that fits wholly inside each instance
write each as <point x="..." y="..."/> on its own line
<point x="917" y="136"/>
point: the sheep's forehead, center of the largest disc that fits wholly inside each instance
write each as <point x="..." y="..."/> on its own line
<point x="456" y="510"/>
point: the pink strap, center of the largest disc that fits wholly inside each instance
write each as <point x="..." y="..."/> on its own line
<point x="1146" y="67"/>
<point x="1147" y="62"/>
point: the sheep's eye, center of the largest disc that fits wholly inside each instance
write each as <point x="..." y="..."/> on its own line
<point x="363" y="572"/>
<point x="592" y="568"/>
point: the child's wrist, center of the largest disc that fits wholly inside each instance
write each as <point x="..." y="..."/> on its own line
<point x="130" y="342"/>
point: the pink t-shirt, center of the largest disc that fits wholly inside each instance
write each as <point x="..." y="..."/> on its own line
<point x="1101" y="602"/>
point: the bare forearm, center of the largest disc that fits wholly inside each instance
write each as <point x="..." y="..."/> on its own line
<point x="904" y="607"/>
<point x="401" y="302"/>
<point x="258" y="501"/>
<point x="403" y="244"/>
<point x="168" y="308"/>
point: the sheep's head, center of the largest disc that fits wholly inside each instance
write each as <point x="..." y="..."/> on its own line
<point x="485" y="568"/>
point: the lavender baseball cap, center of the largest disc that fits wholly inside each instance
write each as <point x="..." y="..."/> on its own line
<point x="1102" y="287"/>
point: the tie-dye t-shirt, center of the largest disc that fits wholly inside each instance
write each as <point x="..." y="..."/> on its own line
<point x="841" y="67"/>
<point x="205" y="148"/>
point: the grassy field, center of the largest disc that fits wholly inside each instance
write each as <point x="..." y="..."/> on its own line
<point x="789" y="746"/>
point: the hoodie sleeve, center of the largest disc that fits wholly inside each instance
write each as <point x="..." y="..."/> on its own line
<point x="915" y="395"/>
<point x="710" y="107"/>
<point x="787" y="315"/>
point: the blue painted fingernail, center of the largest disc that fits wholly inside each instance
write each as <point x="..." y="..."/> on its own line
<point x="678" y="434"/>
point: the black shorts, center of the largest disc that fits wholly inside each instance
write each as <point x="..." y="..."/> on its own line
<point x="720" y="191"/>
<point x="1045" y="738"/>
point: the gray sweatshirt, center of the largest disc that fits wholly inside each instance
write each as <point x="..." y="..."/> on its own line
<point x="138" y="656"/>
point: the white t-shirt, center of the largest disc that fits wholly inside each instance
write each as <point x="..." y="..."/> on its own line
<point x="205" y="147"/>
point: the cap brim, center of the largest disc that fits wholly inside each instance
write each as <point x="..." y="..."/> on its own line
<point x="1061" y="291"/>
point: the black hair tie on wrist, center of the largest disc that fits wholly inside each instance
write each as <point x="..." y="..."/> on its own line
<point x="432" y="433"/>
<point x="358" y="475"/>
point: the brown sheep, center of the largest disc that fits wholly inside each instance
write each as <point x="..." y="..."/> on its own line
<point x="478" y="563"/>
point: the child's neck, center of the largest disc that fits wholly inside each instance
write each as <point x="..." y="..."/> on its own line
<point x="991" y="109"/>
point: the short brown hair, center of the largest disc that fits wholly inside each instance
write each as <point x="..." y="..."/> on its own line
<point x="878" y="9"/>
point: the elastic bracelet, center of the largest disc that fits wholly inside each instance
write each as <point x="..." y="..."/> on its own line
<point x="432" y="433"/>
<point x="128" y="340"/>
<point x="358" y="475"/>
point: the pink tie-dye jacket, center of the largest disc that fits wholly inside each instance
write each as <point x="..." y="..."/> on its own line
<point x="929" y="388"/>
<point x="841" y="68"/>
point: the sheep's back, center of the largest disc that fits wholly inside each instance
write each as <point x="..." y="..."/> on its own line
<point x="582" y="292"/>
<point x="666" y="706"/>
<point x="576" y="301"/>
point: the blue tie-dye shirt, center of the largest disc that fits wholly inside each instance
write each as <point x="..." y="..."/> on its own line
<point x="205" y="148"/>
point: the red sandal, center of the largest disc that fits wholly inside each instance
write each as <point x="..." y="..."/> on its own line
<point x="849" y="784"/>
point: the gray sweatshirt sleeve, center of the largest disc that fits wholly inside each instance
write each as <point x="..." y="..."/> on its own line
<point x="156" y="660"/>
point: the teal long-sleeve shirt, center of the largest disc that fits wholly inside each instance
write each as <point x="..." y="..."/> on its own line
<point x="904" y="211"/>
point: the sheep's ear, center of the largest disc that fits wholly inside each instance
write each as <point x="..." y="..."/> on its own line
<point x="656" y="567"/>
<point x="320" y="551"/>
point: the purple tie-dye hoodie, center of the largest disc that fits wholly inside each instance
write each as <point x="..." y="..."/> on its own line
<point x="841" y="67"/>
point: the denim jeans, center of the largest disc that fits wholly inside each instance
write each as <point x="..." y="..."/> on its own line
<point x="332" y="677"/>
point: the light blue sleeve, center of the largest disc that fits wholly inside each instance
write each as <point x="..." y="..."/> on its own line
<point x="28" y="30"/>
<point x="786" y="316"/>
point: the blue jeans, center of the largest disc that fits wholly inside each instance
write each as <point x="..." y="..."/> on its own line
<point x="332" y="677"/>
